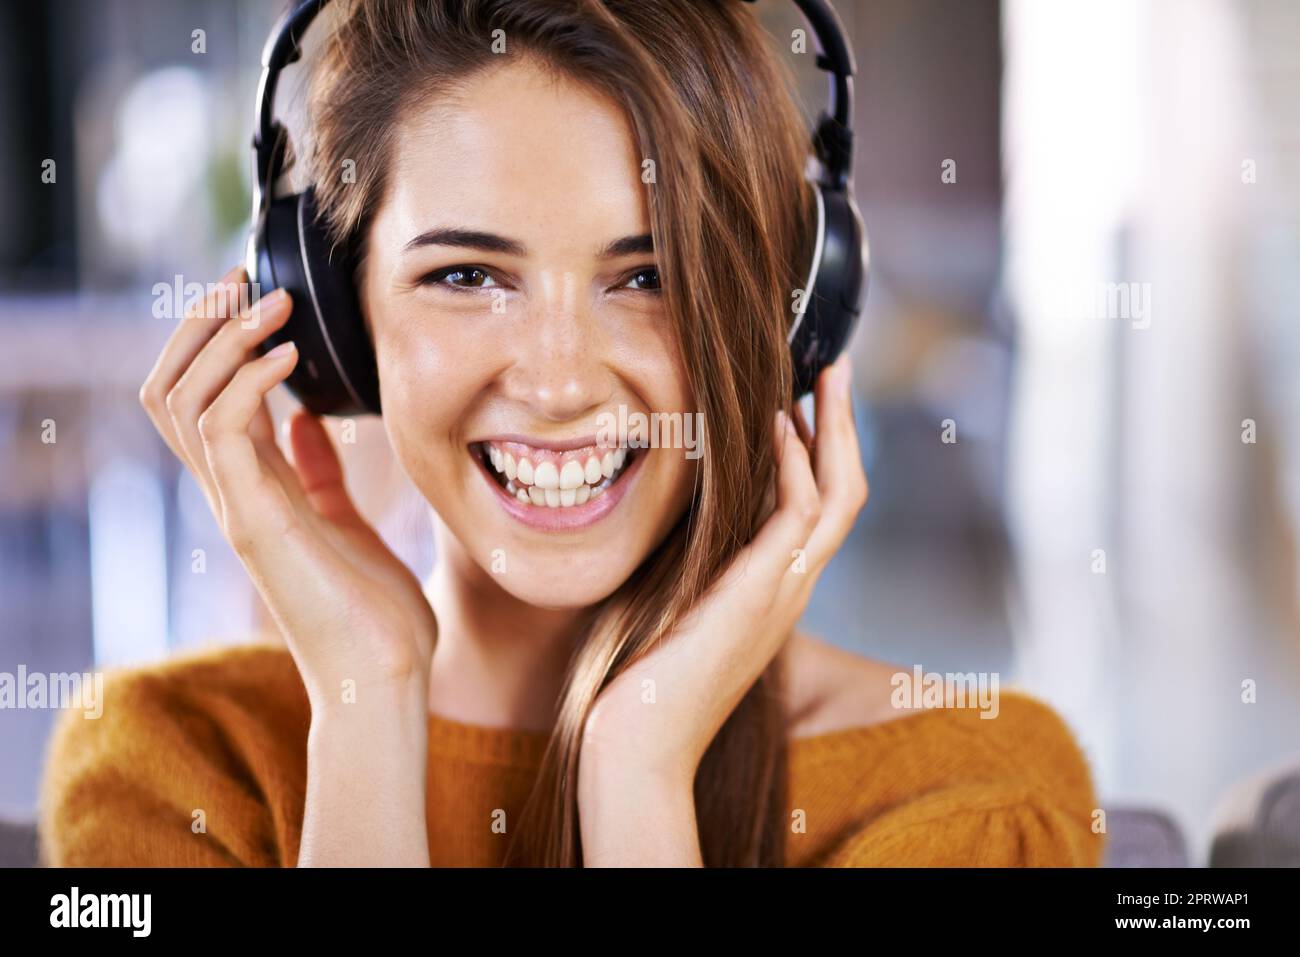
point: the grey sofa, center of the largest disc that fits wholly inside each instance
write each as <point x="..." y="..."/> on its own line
<point x="1258" y="821"/>
<point x="17" y="844"/>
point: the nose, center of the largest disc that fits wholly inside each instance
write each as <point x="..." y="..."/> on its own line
<point x="560" y="368"/>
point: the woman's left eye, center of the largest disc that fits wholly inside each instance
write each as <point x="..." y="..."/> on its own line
<point x="646" y="280"/>
<point x="460" y="277"/>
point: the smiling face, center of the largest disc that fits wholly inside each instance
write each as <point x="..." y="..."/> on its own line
<point x="511" y="290"/>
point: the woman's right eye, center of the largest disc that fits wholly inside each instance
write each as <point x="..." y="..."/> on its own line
<point x="459" y="277"/>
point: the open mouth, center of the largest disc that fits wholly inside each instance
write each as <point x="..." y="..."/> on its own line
<point x="550" y="479"/>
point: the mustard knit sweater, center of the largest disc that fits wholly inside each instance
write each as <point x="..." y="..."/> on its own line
<point x="220" y="737"/>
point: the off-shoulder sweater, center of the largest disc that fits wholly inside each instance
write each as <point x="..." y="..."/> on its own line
<point x="202" y="761"/>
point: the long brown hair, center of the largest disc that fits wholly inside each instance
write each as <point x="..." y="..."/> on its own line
<point x="730" y="214"/>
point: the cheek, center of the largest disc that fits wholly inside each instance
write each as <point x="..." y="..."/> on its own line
<point x="410" y="366"/>
<point x="425" y="386"/>
<point x="645" y="348"/>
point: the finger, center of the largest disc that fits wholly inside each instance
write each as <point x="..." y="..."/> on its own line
<point x="801" y="427"/>
<point x="273" y="460"/>
<point x="266" y="520"/>
<point x="841" y="479"/>
<point x="319" y="470"/>
<point x="252" y="502"/>
<point x="759" y="585"/>
<point x="798" y="507"/>
<point x="215" y="366"/>
<point x="262" y="429"/>
<point x="198" y="325"/>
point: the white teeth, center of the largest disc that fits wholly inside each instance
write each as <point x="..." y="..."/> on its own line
<point x="547" y="476"/>
<point x="552" y="486"/>
<point x="572" y="475"/>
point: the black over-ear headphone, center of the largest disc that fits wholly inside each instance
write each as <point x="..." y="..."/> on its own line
<point x="336" y="375"/>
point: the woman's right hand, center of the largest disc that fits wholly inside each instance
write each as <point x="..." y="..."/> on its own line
<point x="349" y="609"/>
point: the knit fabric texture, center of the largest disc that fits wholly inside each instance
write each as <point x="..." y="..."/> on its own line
<point x="202" y="761"/>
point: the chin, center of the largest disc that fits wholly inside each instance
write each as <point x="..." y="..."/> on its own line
<point x="537" y="581"/>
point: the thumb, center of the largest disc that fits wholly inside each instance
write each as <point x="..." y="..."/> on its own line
<point x="319" y="470"/>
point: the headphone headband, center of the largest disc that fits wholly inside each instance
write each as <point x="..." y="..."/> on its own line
<point x="832" y="139"/>
<point x="283" y="47"/>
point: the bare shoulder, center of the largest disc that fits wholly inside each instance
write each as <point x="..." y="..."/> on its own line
<point x="829" y="688"/>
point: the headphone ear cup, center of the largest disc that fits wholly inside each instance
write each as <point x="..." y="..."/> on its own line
<point x="336" y="373"/>
<point x="836" y="290"/>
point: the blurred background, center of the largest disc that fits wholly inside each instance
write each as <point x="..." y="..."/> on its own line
<point x="1081" y="437"/>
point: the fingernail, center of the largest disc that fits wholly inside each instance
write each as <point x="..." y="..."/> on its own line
<point x="268" y="304"/>
<point x="283" y="349"/>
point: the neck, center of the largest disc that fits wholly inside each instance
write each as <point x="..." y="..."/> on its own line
<point x="498" y="661"/>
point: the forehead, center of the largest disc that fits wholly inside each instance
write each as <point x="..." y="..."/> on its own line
<point x="521" y="150"/>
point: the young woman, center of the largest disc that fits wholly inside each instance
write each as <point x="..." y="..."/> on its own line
<point x="602" y="669"/>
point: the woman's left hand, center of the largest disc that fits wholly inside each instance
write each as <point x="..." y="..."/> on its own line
<point x="649" y="729"/>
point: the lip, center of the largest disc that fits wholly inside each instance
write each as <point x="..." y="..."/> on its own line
<point x="574" y="517"/>
<point x="553" y="445"/>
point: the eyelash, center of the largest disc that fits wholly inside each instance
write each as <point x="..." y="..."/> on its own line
<point x="438" y="278"/>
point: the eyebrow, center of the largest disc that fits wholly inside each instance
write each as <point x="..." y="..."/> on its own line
<point x="491" y="242"/>
<point x="469" y="239"/>
<point x="629" y="246"/>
